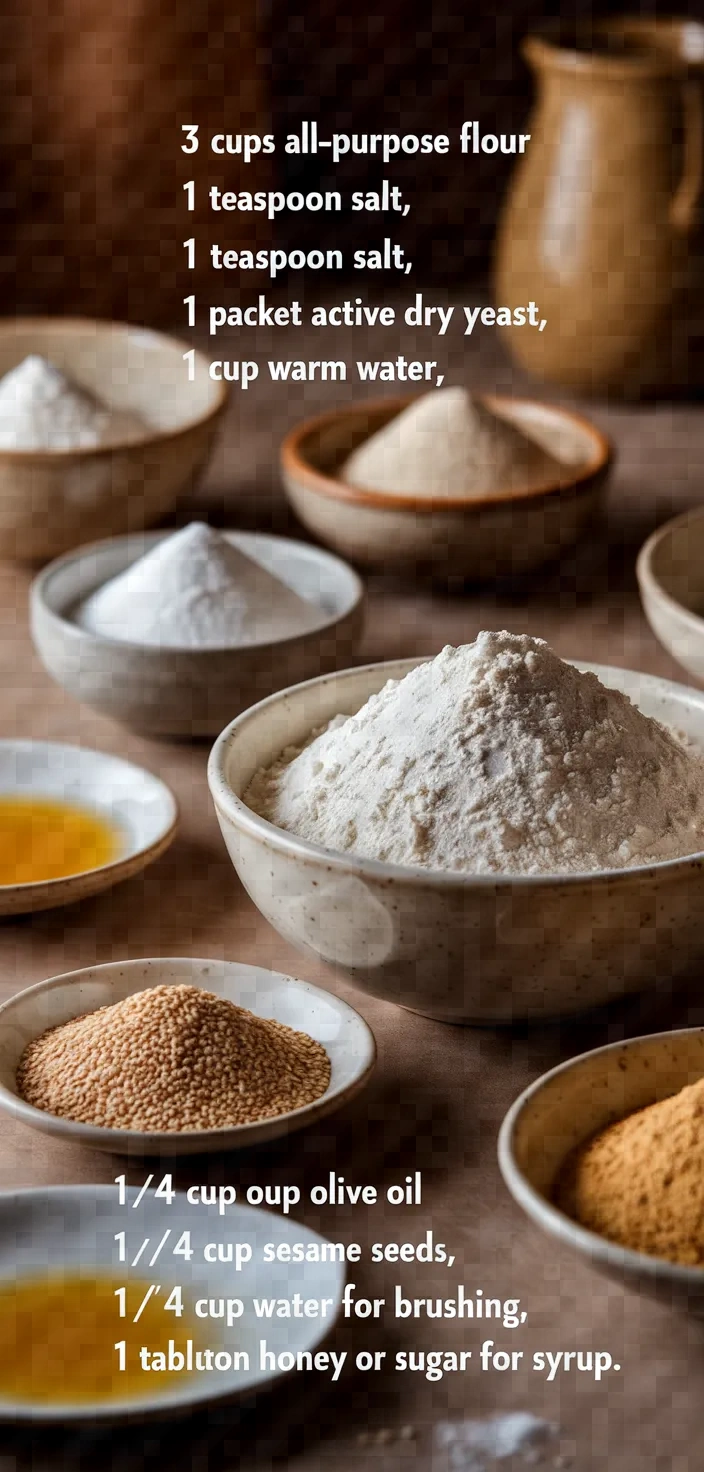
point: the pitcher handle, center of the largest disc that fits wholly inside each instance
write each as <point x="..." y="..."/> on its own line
<point x="685" y="200"/>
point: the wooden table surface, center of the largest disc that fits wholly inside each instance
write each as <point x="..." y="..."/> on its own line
<point x="440" y="1092"/>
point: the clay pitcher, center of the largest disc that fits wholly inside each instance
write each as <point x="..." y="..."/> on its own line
<point x="602" y="228"/>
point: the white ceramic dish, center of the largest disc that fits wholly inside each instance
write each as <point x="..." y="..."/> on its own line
<point x="670" y="571"/>
<point x="141" y="806"/>
<point x="54" y="499"/>
<point x="186" y="692"/>
<point x="567" y="1106"/>
<point x="345" y="1035"/>
<point x="74" y="1228"/>
<point x="458" y="947"/>
<point x="477" y="537"/>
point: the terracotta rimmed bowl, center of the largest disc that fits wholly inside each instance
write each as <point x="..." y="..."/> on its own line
<point x="348" y="1040"/>
<point x="566" y="1107"/>
<point x="477" y="538"/>
<point x="458" y="947"/>
<point x="189" y="692"/>
<point x="670" y="571"/>
<point x="51" y="500"/>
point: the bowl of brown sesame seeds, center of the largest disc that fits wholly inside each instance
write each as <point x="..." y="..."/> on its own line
<point x="178" y="1056"/>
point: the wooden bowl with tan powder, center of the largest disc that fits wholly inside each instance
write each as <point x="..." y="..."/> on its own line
<point x="479" y="538"/>
<point x="567" y="1107"/>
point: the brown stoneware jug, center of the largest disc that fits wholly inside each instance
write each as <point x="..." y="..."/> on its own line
<point x="602" y="227"/>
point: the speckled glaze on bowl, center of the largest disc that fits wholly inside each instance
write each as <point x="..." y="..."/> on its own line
<point x="51" y="500"/>
<point x="471" y="537"/>
<point x="458" y="947"/>
<point x="189" y="692"/>
<point x="670" y="571"/>
<point x="571" y="1103"/>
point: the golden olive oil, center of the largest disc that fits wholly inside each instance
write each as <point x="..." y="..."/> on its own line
<point x="58" y="1337"/>
<point x="42" y="838"/>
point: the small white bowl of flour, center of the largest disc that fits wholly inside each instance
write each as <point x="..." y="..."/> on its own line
<point x="100" y="430"/>
<point x="477" y="486"/>
<point x="173" y="633"/>
<point x="488" y="835"/>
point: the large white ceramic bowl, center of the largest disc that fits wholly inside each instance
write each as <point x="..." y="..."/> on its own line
<point x="140" y="807"/>
<point x="566" y="1107"/>
<point x="74" y="1229"/>
<point x="459" y="947"/>
<point x="189" y="692"/>
<point x="670" y="571"/>
<point x="54" y="499"/>
<point x="347" y="1039"/>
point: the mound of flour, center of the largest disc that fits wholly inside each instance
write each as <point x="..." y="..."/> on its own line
<point x="196" y="590"/>
<point x="496" y="757"/>
<point x="42" y="409"/>
<point x="448" y="444"/>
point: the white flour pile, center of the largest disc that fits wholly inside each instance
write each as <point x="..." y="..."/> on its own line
<point x="448" y="444"/>
<point x="195" y="590"/>
<point x="41" y="409"/>
<point x="496" y="757"/>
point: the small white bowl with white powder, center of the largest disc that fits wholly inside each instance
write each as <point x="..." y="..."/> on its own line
<point x="100" y="430"/>
<point x="173" y="633"/>
<point x="493" y="835"/>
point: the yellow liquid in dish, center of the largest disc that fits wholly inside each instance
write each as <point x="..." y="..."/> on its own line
<point x="57" y="1338"/>
<point x="42" y="838"/>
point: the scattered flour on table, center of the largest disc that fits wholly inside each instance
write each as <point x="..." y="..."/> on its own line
<point x="447" y="443"/>
<point x="197" y="590"/>
<point x="42" y="409"/>
<point x="476" y="1446"/>
<point x="496" y="757"/>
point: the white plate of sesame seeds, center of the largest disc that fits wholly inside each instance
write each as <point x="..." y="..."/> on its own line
<point x="344" y="1036"/>
<point x="234" y="1307"/>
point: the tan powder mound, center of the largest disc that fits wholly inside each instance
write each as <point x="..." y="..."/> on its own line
<point x="172" y="1058"/>
<point x="641" y="1182"/>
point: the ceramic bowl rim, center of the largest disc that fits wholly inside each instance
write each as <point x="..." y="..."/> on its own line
<point x="72" y="630"/>
<point x="236" y="811"/>
<point x="102" y="1137"/>
<point x="296" y="464"/>
<point x="71" y="325"/>
<point x="155" y="848"/>
<point x="547" y="1216"/>
<point x="650" y="584"/>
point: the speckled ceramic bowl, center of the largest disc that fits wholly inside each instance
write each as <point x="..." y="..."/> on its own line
<point x="670" y="571"/>
<point x="570" y="1104"/>
<point x="51" y="500"/>
<point x="480" y="538"/>
<point x="347" y="1039"/>
<point x="459" y="947"/>
<point x="189" y="692"/>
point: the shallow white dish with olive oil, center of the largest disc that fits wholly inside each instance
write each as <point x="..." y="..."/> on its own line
<point x="74" y="822"/>
<point x="99" y="1327"/>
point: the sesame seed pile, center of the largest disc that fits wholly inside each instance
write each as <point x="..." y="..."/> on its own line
<point x="172" y="1058"/>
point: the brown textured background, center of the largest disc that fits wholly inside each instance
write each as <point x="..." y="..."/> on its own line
<point x="92" y="98"/>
